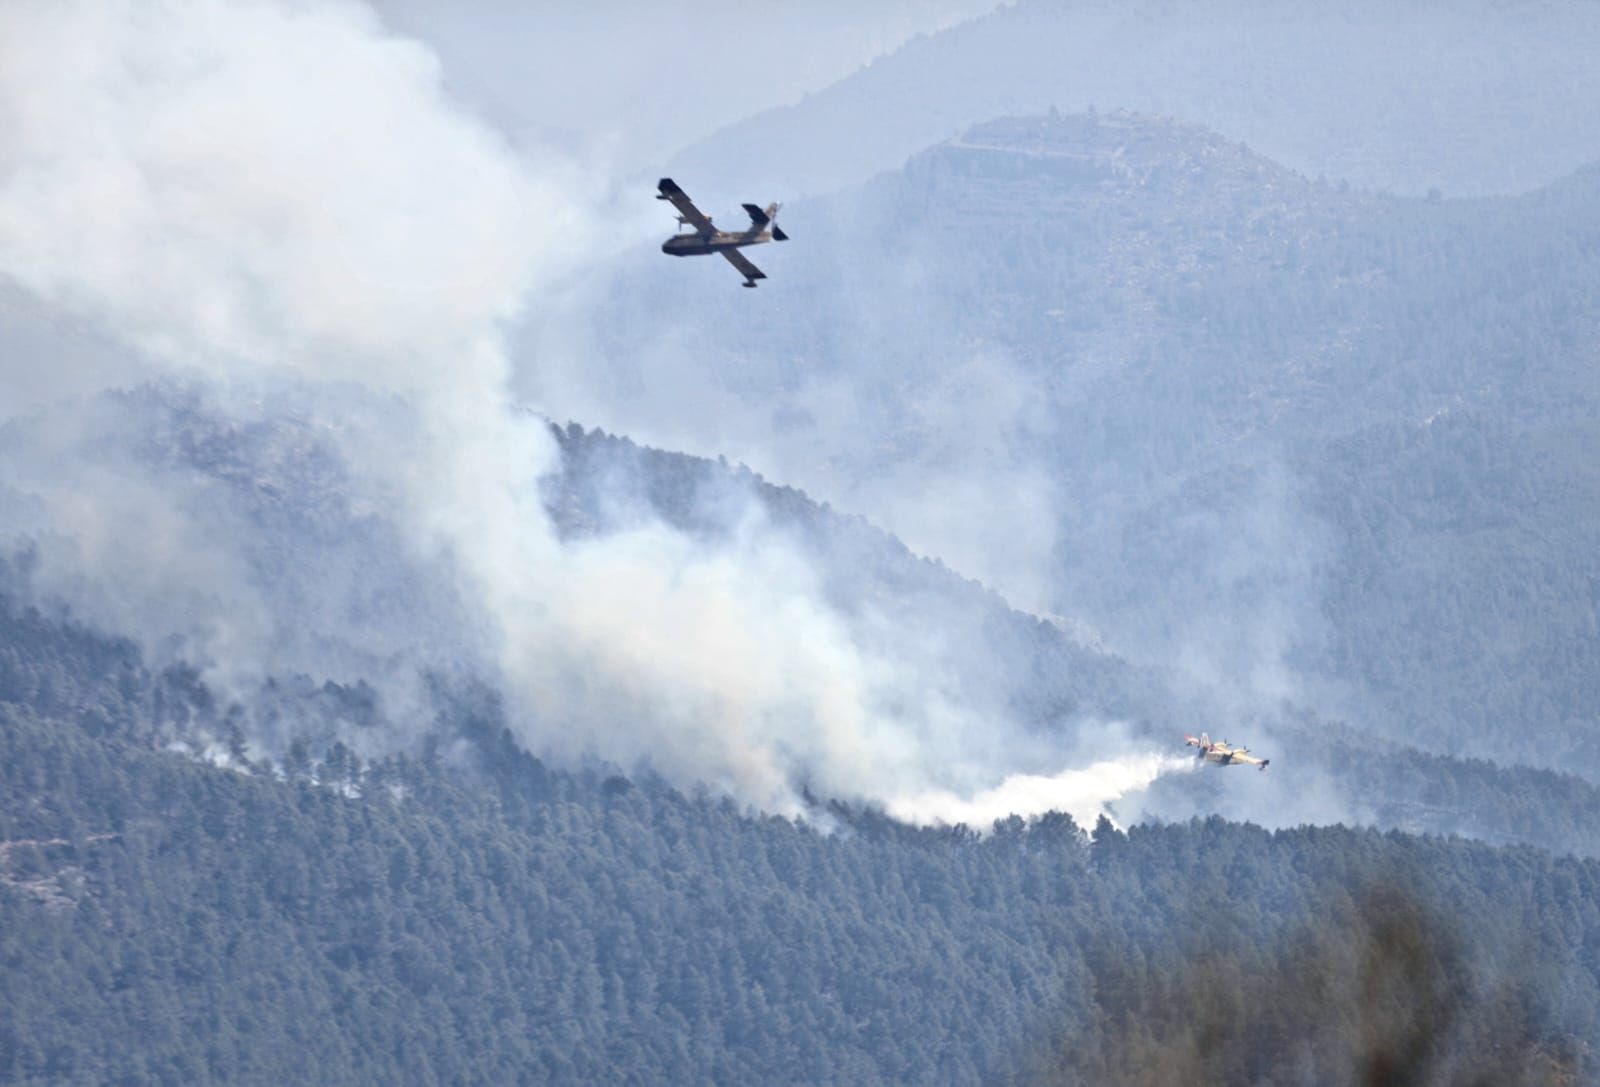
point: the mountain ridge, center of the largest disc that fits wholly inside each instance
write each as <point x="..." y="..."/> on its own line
<point x="1318" y="90"/>
<point x="1191" y="369"/>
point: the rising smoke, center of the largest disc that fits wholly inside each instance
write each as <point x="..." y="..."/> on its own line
<point x="273" y="209"/>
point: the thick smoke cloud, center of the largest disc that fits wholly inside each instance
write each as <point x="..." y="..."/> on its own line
<point x="278" y="205"/>
<point x="263" y="183"/>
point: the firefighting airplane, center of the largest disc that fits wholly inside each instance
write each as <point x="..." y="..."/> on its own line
<point x="1221" y="753"/>
<point x="708" y="239"/>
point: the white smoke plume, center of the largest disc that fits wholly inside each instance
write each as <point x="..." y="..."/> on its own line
<point x="280" y="199"/>
<point x="1084" y="793"/>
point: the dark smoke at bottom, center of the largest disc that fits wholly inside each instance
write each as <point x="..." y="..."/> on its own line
<point x="1389" y="994"/>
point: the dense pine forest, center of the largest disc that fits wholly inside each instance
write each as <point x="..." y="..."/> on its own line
<point x="176" y="911"/>
<point x="470" y="915"/>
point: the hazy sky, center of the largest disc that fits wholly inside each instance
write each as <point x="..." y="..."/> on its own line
<point x="631" y="81"/>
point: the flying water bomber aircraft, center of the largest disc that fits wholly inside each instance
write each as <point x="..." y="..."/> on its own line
<point x="705" y="238"/>
<point x="1222" y="753"/>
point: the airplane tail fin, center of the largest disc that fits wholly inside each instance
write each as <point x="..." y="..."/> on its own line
<point x="760" y="217"/>
<point x="1205" y="739"/>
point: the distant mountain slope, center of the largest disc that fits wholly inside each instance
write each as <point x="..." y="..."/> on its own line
<point x="1081" y="702"/>
<point x="1474" y="98"/>
<point x="1298" y="441"/>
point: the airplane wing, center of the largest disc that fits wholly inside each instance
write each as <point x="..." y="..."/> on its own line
<point x="686" y="209"/>
<point x="741" y="262"/>
<point x="1250" y="760"/>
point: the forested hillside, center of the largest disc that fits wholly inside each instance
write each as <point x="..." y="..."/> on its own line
<point x="202" y="887"/>
<point x="1085" y="704"/>
<point x="1296" y="440"/>
<point x="1329" y="771"/>
<point x="471" y="915"/>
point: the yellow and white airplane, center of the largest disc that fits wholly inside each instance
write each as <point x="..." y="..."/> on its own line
<point x="705" y="238"/>
<point x="1222" y="753"/>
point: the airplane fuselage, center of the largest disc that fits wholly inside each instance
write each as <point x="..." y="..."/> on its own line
<point x="706" y="238"/>
<point x="1223" y="754"/>
<point x="693" y="245"/>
